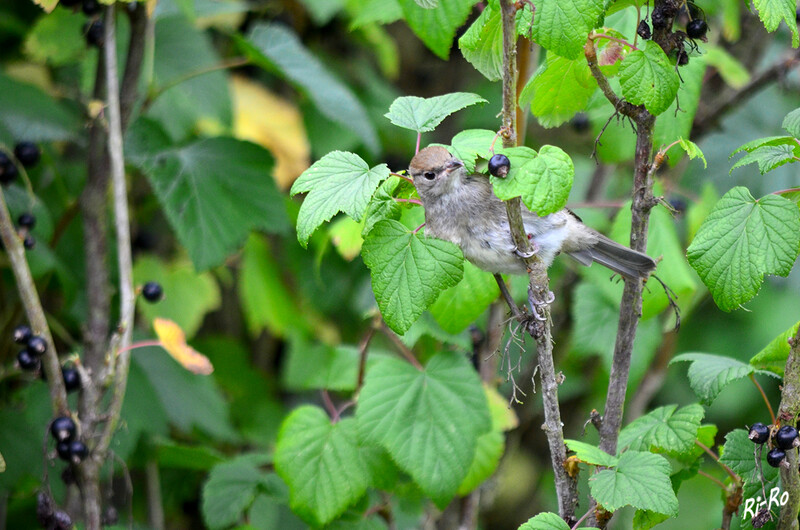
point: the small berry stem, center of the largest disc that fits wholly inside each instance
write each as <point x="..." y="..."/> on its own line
<point x="713" y="479"/>
<point x="419" y="139"/>
<point x="404" y="350"/>
<point x="713" y="455"/>
<point x="404" y="177"/>
<point x="417" y="229"/>
<point x="594" y="36"/>
<point x="763" y="395"/>
<point x="140" y="344"/>
<point x="412" y="201"/>
<point x="582" y="519"/>
<point x="329" y="406"/>
<point x="783" y="192"/>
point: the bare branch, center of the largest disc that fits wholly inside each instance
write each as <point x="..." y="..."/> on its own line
<point x="787" y="413"/>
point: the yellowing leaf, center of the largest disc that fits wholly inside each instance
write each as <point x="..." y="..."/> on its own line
<point x="174" y="341"/>
<point x="47" y="5"/>
<point x="274" y="123"/>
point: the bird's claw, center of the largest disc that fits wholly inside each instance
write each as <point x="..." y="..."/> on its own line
<point x="525" y="255"/>
<point x="536" y="303"/>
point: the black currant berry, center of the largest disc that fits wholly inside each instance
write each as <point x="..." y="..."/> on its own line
<point x="644" y="30"/>
<point x="27" y="220"/>
<point x="29" y="242"/>
<point x="153" y="292"/>
<point x="580" y="123"/>
<point x="759" y="433"/>
<point x="91" y="7"/>
<point x="27" y="153"/>
<point x="62" y="449"/>
<point x="775" y="457"/>
<point x="63" y="429"/>
<point x="61" y="520"/>
<point x="78" y="451"/>
<point x="22" y="334"/>
<point x="27" y="361"/>
<point x="37" y="345"/>
<point x="72" y="380"/>
<point x="95" y="34"/>
<point x="499" y="166"/>
<point x="786" y="437"/>
<point x="8" y="171"/>
<point x="697" y="28"/>
<point x="677" y="204"/>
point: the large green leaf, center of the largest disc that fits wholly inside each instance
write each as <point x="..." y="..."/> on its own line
<point x="425" y="114"/>
<point x="231" y="487"/>
<point x="459" y="306"/>
<point x="648" y="78"/>
<point x="188" y="296"/>
<point x="56" y="38"/>
<point x="768" y="157"/>
<point x="319" y="366"/>
<point x="590" y="454"/>
<point x="738" y="454"/>
<point x="277" y="48"/>
<point x="559" y="90"/>
<point x="543" y="182"/>
<point x="436" y="27"/>
<point x="214" y="191"/>
<point x="546" y="521"/>
<point x="409" y="271"/>
<point x="142" y="414"/>
<point x="773" y="356"/>
<point x="664" y="428"/>
<point x="771" y="12"/>
<point x="562" y="26"/>
<point x="368" y="11"/>
<point x="709" y="374"/>
<point x="640" y="479"/>
<point x="792" y="123"/>
<point x="321" y="463"/>
<point x="742" y="240"/>
<point x="28" y="113"/>
<point x="337" y="182"/>
<point x="428" y="420"/>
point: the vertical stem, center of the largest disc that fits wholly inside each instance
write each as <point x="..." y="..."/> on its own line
<point x="155" y="508"/>
<point x="788" y="412"/>
<point x="566" y="486"/>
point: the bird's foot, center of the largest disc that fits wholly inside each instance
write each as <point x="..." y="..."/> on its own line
<point x="525" y="255"/>
<point x="538" y="303"/>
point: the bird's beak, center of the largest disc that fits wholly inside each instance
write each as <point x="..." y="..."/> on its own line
<point x="453" y="164"/>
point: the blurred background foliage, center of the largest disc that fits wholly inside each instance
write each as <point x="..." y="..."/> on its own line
<point x="302" y="78"/>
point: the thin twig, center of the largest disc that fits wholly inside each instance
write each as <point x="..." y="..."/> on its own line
<point x="405" y="350"/>
<point x="507" y="297"/>
<point x="362" y="356"/>
<point x="764" y="396"/>
<point x="714" y="456"/>
<point x="788" y="412"/>
<point x="227" y="64"/>
<point x="713" y="479"/>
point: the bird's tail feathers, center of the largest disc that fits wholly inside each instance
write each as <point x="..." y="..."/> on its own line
<point x="624" y="261"/>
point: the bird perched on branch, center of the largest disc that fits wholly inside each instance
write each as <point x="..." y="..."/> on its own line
<point x="463" y="209"/>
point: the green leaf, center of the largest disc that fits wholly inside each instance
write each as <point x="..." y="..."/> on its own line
<point x="733" y="72"/>
<point x="640" y="480"/>
<point x="545" y="521"/>
<point x="189" y="296"/>
<point x="562" y="26"/>
<point x="590" y="454"/>
<point x="737" y="453"/>
<point x="488" y="451"/>
<point x="773" y="356"/>
<point x="143" y="415"/>
<point x="648" y="78"/>
<point x="425" y="114"/>
<point x="709" y="374"/>
<point x="482" y="44"/>
<point x="383" y="205"/>
<point x="792" y="123"/>
<point x="231" y="487"/>
<point x="767" y="157"/>
<point x="436" y="27"/>
<point x="771" y="12"/>
<point x="663" y="428"/>
<point x="374" y="11"/>
<point x="321" y="463"/>
<point x="693" y="150"/>
<point x="213" y="191"/>
<point x="322" y="11"/>
<point x="559" y="90"/>
<point x="337" y="182"/>
<point x="470" y="144"/>
<point x="56" y="38"/>
<point x="543" y="182"/>
<point x="459" y="306"/>
<point x="266" y="301"/>
<point x="276" y="47"/>
<point x="408" y="271"/>
<point x="27" y="112"/>
<point x="742" y="240"/>
<point x="312" y="366"/>
<point x="173" y="455"/>
<point x="761" y="142"/>
<point x="428" y="420"/>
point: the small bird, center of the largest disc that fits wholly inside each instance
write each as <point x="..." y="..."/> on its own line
<point x="463" y="209"/>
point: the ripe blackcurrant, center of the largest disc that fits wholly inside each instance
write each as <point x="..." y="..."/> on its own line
<point x="27" y="153"/>
<point x="775" y="457"/>
<point x="29" y="242"/>
<point x="22" y="333"/>
<point x="697" y="28"/>
<point x="63" y="429"/>
<point x="759" y="433"/>
<point x="95" y="33"/>
<point x="72" y="380"/>
<point x="27" y="220"/>
<point x="27" y="361"/>
<point x="37" y="345"/>
<point x="62" y="449"/>
<point x="153" y="292"/>
<point x="499" y="166"/>
<point x="8" y="171"/>
<point x="78" y="451"/>
<point x="786" y="437"/>
<point x="580" y="123"/>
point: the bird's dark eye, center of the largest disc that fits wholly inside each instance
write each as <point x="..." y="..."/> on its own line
<point x="430" y="175"/>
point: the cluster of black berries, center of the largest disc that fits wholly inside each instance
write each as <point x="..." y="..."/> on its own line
<point x="29" y="358"/>
<point x="93" y="29"/>
<point x="783" y="440"/>
<point x="68" y="446"/>
<point x="26" y="153"/>
<point x="661" y="17"/>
